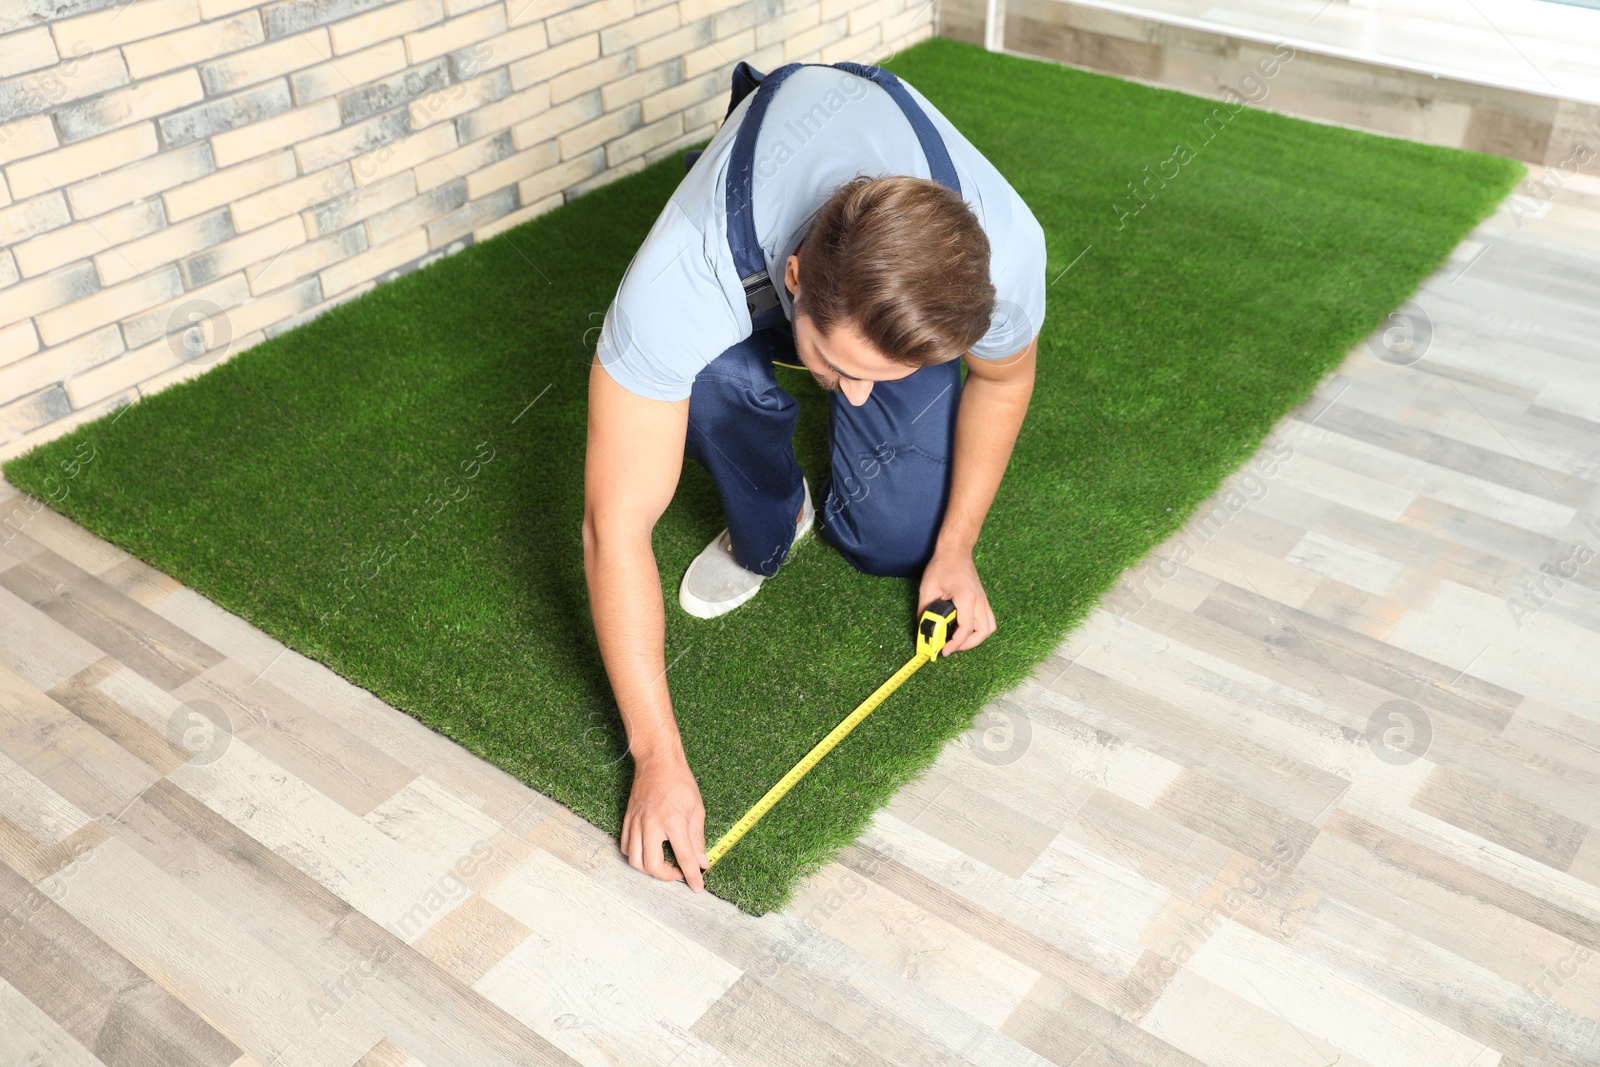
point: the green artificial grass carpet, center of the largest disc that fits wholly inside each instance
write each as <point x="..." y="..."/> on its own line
<point x="303" y="484"/>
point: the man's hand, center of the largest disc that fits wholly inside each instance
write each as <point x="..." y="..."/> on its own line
<point x="665" y="806"/>
<point x="951" y="575"/>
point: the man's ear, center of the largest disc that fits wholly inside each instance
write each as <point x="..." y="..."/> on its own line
<point x="791" y="275"/>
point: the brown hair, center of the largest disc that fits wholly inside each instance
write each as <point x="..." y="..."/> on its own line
<point x="905" y="262"/>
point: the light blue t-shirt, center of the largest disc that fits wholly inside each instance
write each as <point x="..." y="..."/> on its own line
<point x="680" y="304"/>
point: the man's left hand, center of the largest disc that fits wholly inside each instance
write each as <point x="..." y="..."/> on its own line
<point x="951" y="575"/>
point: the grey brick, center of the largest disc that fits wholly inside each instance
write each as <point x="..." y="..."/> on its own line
<point x="417" y="212"/>
<point x="33" y="411"/>
<point x="81" y="73"/>
<point x="200" y="269"/>
<point x="299" y="15"/>
<point x="20" y="14"/>
<point x="214" y="116"/>
<point x="393" y="91"/>
<point x="745" y="16"/>
<point x="468" y="63"/>
<point x="480" y="212"/>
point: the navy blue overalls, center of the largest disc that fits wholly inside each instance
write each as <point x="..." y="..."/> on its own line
<point x="891" y="456"/>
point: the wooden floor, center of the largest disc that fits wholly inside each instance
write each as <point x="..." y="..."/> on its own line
<point x="1320" y="784"/>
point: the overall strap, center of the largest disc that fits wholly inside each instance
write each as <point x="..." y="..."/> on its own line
<point x="760" y="294"/>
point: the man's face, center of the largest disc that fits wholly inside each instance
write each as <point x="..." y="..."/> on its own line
<point x="841" y="360"/>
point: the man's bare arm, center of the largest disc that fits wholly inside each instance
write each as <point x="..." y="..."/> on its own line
<point x="634" y="454"/>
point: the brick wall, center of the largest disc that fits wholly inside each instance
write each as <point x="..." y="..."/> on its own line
<point x="180" y="179"/>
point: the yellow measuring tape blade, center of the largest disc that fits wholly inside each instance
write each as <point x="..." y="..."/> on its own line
<point x="812" y="758"/>
<point x="935" y="627"/>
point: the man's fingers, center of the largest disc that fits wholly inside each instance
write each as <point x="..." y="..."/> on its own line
<point x="688" y="858"/>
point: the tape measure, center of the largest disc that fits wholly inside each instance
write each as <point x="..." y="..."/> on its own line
<point x="933" y="630"/>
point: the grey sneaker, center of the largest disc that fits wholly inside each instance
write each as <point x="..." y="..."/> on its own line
<point x="716" y="583"/>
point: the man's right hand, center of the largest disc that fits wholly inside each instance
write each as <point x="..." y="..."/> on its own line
<point x="665" y="805"/>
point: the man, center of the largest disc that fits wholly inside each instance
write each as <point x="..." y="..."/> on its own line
<point x="836" y="222"/>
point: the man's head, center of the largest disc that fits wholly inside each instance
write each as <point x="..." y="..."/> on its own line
<point x="893" y="276"/>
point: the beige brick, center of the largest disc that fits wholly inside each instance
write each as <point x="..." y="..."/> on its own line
<point x="874" y="14"/>
<point x="832" y="9"/>
<point x="459" y="99"/>
<point x="16" y="341"/>
<point x="358" y="68"/>
<point x="558" y="178"/>
<point x="184" y="48"/>
<point x="601" y="130"/>
<point x="480" y="25"/>
<point x="403" y="155"/>
<point x="771" y="31"/>
<point x="373" y="262"/>
<point x="696" y="135"/>
<point x="387" y="22"/>
<point x="706" y="87"/>
<point x="39" y="215"/>
<point x="605" y="177"/>
<point x="461" y="7"/>
<point x="26" y="137"/>
<point x="307" y="259"/>
<point x="83" y="74"/>
<point x="353" y="205"/>
<point x="464" y="160"/>
<point x="52" y="290"/>
<point x="121" y="23"/>
<point x="590" y="76"/>
<point x="639" y="28"/>
<point x="252" y="249"/>
<point x="279" y="131"/>
<point x="108" y="305"/>
<point x="511" y="170"/>
<point x="55" y="365"/>
<point x="350" y="141"/>
<point x="63" y="166"/>
<point x="671" y="45"/>
<point x="643" y="139"/>
<point x="259" y="64"/>
<point x="84" y="239"/>
<point x="166" y="171"/>
<point x="715" y="56"/>
<point x="290" y="198"/>
<point x="853" y="48"/>
<point x="522" y="12"/>
<point x="586" y="19"/>
<point x="275" y="307"/>
<point x="130" y="104"/>
<point x="215" y="9"/>
<point x="516" y="218"/>
<point x="5" y="192"/>
<point x="708" y="113"/>
<point x="511" y="47"/>
<point x="692" y="10"/>
<point x="503" y="113"/>
<point x="906" y="29"/>
<point x="162" y="247"/>
<point x="226" y="186"/>
<point x="807" y="43"/>
<point x="117" y="375"/>
<point x="645" y="83"/>
<point x="563" y="57"/>
<point x="557" y="120"/>
<point x="27" y="50"/>
<point x="176" y="315"/>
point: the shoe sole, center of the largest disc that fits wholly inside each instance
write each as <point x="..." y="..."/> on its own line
<point x="702" y="609"/>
